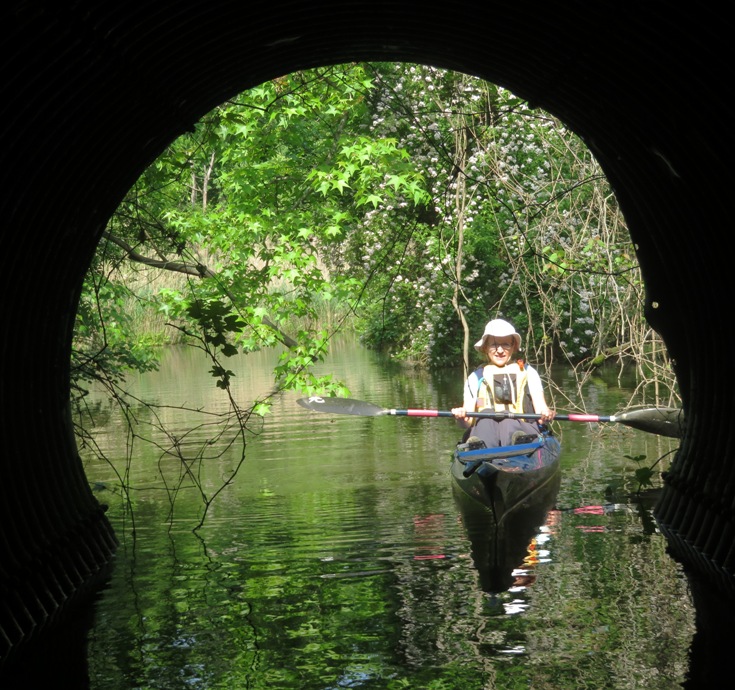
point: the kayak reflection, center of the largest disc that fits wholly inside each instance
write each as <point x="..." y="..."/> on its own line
<point x="503" y="552"/>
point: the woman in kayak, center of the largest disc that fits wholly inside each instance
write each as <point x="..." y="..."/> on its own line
<point x="502" y="385"/>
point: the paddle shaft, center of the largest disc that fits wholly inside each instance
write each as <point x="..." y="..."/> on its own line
<point x="501" y="415"/>
<point x="665" y="421"/>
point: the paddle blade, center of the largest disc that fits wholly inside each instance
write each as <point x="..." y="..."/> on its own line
<point x="664" y="421"/>
<point x="341" y="406"/>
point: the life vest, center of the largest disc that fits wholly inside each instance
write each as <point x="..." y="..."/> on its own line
<point x="503" y="389"/>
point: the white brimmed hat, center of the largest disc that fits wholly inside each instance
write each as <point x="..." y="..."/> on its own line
<point x="497" y="328"/>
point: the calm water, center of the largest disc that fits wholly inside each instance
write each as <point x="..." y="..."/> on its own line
<point x="337" y="557"/>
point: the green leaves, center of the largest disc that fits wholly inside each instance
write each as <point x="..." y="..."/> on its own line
<point x="381" y="195"/>
<point x="643" y="475"/>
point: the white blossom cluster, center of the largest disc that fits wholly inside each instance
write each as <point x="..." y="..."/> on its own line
<point x="506" y="163"/>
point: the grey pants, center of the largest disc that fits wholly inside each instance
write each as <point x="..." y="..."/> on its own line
<point x="499" y="432"/>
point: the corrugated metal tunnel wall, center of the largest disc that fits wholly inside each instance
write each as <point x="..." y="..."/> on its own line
<point x="92" y="91"/>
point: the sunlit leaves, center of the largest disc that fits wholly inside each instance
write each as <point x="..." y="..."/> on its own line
<point x="262" y="409"/>
<point x="342" y="186"/>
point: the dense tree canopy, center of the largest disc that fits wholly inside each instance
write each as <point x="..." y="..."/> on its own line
<point x="406" y="202"/>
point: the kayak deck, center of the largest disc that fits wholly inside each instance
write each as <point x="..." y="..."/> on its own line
<point x="503" y="477"/>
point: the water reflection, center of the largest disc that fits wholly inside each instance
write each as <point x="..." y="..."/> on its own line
<point x="504" y="553"/>
<point x="338" y="556"/>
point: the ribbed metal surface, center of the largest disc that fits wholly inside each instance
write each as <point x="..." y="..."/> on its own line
<point x="92" y="91"/>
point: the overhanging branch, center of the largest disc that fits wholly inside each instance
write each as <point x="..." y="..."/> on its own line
<point x="193" y="269"/>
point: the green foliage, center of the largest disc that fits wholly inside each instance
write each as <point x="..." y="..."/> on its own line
<point x="406" y="201"/>
<point x="521" y="224"/>
<point x="643" y="475"/>
<point x="342" y="184"/>
<point x="106" y="342"/>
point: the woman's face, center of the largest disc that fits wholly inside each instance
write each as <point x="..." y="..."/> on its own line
<point x="500" y="350"/>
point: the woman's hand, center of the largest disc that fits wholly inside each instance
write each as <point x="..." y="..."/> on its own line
<point x="459" y="412"/>
<point x="546" y="416"/>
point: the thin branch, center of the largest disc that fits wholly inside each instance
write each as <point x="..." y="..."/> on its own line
<point x="193" y="269"/>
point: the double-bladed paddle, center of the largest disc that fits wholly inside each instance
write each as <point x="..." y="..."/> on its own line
<point x="664" y="421"/>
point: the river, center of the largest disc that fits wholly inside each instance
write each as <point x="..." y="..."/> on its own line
<point x="334" y="555"/>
